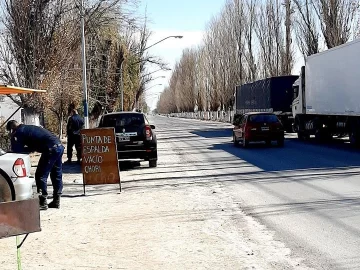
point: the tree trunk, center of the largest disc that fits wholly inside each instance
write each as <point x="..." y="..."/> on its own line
<point x="288" y="59"/>
<point x="61" y="125"/>
<point x="30" y="117"/>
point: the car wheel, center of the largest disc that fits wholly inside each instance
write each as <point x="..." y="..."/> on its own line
<point x="235" y="141"/>
<point x="354" y="139"/>
<point x="280" y="142"/>
<point x="153" y="163"/>
<point x="302" y="136"/>
<point x="245" y="143"/>
<point x="7" y="191"/>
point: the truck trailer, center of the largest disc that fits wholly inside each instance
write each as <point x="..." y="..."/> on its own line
<point x="273" y="94"/>
<point x="327" y="95"/>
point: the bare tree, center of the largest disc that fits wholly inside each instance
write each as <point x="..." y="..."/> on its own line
<point x="271" y="39"/>
<point x="37" y="39"/>
<point x="287" y="64"/>
<point x="307" y="32"/>
<point x="249" y="40"/>
<point x="28" y="45"/>
<point x="336" y="19"/>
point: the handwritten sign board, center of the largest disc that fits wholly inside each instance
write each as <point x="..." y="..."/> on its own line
<point x="99" y="157"/>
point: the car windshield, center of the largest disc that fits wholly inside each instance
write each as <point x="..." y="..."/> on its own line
<point x="263" y="118"/>
<point x="122" y="120"/>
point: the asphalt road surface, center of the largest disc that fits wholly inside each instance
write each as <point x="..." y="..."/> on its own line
<point x="306" y="193"/>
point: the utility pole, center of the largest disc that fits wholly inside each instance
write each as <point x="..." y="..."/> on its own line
<point x="84" y="75"/>
<point x="288" y="36"/>
<point x="122" y="86"/>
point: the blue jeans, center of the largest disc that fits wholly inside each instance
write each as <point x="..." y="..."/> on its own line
<point x="50" y="163"/>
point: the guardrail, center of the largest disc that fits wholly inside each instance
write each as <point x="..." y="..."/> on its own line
<point x="218" y="116"/>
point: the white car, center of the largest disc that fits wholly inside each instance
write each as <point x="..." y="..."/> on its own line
<point x="15" y="180"/>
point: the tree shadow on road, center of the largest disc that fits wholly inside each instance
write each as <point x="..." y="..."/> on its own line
<point x="124" y="166"/>
<point x="214" y="132"/>
<point x="295" y="155"/>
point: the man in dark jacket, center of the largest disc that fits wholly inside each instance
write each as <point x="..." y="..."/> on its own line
<point x="27" y="139"/>
<point x="75" y="124"/>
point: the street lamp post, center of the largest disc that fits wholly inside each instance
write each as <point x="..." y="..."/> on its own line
<point x="162" y="41"/>
<point x="159" y="84"/>
<point x="159" y="77"/>
<point x="137" y="101"/>
<point x="122" y="85"/>
<point x="83" y="53"/>
<point x="161" y="69"/>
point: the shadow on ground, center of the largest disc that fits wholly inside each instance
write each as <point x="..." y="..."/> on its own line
<point x="294" y="156"/>
<point x="214" y="133"/>
<point x="76" y="168"/>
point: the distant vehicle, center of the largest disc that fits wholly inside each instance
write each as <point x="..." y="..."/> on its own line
<point x="258" y="127"/>
<point x="136" y="138"/>
<point x="274" y="95"/>
<point x="326" y="96"/>
<point x="15" y="180"/>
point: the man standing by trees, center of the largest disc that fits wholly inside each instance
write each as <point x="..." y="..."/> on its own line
<point x="75" y="124"/>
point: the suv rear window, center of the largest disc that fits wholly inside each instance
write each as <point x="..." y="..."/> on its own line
<point x="263" y="118"/>
<point x="122" y="120"/>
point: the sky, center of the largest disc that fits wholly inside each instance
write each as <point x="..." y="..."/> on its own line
<point x="179" y="17"/>
<point x="187" y="18"/>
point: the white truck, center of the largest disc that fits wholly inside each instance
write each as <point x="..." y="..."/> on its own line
<point x="327" y="95"/>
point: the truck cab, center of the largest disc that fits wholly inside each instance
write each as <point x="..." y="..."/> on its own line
<point x="298" y="104"/>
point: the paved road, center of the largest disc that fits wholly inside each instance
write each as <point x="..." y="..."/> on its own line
<point x="208" y="205"/>
<point x="308" y="194"/>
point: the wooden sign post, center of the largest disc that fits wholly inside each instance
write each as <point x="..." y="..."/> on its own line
<point x="100" y="163"/>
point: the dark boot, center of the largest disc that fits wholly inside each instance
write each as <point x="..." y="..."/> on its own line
<point x="55" y="203"/>
<point x="43" y="202"/>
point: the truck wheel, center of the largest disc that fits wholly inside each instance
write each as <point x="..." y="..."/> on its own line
<point x="322" y="135"/>
<point x="318" y="135"/>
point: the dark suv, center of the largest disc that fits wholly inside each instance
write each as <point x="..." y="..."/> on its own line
<point x="257" y="127"/>
<point x="135" y="137"/>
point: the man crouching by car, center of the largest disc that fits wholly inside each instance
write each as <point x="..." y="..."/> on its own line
<point x="27" y="139"/>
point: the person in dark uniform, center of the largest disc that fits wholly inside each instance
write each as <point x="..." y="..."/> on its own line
<point x="28" y="139"/>
<point x="75" y="124"/>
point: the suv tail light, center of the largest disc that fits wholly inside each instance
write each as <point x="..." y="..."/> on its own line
<point x="148" y="133"/>
<point x="278" y="125"/>
<point x="248" y="128"/>
<point x="19" y="168"/>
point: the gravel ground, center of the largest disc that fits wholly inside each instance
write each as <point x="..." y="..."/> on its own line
<point x="165" y="218"/>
